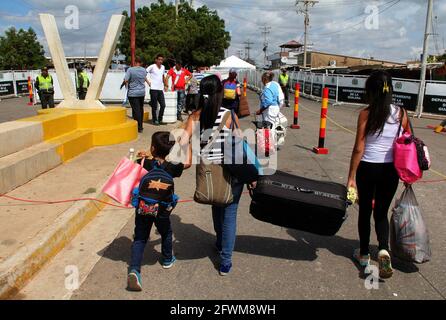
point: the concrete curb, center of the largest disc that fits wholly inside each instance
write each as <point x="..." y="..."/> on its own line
<point x="18" y="269"/>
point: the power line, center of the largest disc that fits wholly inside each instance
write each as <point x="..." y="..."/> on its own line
<point x="392" y="4"/>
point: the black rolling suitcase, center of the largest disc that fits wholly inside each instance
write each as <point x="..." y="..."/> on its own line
<point x="298" y="203"/>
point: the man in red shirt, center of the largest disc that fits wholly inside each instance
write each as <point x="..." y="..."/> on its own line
<point x="180" y="77"/>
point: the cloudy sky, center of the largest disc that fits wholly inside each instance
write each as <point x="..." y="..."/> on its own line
<point x="337" y="26"/>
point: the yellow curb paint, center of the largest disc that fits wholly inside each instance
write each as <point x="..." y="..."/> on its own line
<point x="15" y="279"/>
<point x="76" y="131"/>
<point x="121" y="133"/>
<point x="146" y="116"/>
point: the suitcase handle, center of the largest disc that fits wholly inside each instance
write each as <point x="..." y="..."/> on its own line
<point x="251" y="191"/>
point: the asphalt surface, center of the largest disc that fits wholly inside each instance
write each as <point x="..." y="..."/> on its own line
<point x="16" y="108"/>
<point x="271" y="262"/>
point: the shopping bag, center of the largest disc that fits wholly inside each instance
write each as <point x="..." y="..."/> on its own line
<point x="243" y="110"/>
<point x="409" y="237"/>
<point x="266" y="141"/>
<point x="406" y="159"/>
<point x="124" y="179"/>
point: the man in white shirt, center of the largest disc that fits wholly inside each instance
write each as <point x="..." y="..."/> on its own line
<point x="158" y="85"/>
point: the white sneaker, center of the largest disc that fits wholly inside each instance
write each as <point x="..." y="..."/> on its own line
<point x="385" y="264"/>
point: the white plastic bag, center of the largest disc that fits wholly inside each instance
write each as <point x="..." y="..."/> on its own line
<point x="409" y="237"/>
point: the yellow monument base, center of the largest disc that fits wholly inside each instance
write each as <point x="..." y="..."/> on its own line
<point x="76" y="131"/>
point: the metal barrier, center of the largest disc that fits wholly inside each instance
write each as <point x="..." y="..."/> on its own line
<point x="345" y="89"/>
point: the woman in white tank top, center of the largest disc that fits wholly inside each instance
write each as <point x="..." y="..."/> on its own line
<point x="372" y="171"/>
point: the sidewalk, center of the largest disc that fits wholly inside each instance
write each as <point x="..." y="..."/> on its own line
<point x="82" y="177"/>
<point x="269" y="262"/>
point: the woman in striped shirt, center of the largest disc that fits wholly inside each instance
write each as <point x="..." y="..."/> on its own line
<point x="210" y="114"/>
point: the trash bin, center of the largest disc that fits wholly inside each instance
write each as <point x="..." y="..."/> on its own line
<point x="170" y="113"/>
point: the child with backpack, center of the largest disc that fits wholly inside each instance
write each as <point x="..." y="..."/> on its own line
<point x="154" y="201"/>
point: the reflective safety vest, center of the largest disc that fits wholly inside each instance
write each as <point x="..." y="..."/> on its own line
<point x="284" y="79"/>
<point x="86" y="81"/>
<point x="230" y="90"/>
<point x="45" y="83"/>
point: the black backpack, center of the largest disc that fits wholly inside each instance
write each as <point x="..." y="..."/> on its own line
<point x="155" y="193"/>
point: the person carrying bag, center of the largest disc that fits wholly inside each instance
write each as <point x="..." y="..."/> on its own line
<point x="411" y="156"/>
<point x="212" y="174"/>
<point x="213" y="181"/>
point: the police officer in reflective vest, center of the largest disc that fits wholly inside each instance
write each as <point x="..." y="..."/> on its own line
<point x="45" y="88"/>
<point x="82" y="83"/>
<point x="284" y="80"/>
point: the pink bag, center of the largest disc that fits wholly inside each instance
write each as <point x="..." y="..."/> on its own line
<point x="405" y="158"/>
<point x="124" y="179"/>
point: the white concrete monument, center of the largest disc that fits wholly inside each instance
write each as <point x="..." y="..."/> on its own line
<point x="60" y="63"/>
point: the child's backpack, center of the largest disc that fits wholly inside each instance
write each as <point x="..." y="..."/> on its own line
<point x="155" y="192"/>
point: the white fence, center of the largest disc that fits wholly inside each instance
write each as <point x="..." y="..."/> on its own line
<point x="351" y="89"/>
<point x="15" y="83"/>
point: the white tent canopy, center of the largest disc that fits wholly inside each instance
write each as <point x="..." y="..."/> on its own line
<point x="234" y="62"/>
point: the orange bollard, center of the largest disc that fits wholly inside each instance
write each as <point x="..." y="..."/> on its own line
<point x="296" y="125"/>
<point x="30" y="91"/>
<point x="441" y="128"/>
<point x="320" y="149"/>
<point x="245" y="86"/>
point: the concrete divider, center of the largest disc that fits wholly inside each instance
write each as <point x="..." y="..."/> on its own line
<point x="17" y="135"/>
<point x="29" y="259"/>
<point x="35" y="145"/>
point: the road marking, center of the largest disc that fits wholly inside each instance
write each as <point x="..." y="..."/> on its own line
<point x="331" y="120"/>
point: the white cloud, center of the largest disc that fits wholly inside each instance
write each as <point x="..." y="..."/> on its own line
<point x="336" y="25"/>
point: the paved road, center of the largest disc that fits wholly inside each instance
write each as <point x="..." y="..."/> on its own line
<point x="16" y="108"/>
<point x="269" y="262"/>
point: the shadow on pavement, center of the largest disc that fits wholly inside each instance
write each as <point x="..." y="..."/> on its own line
<point x="304" y="147"/>
<point x="120" y="250"/>
<point x="344" y="247"/>
<point x="192" y="243"/>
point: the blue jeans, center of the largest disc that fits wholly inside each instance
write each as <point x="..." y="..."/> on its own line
<point x="225" y="224"/>
<point x="181" y="101"/>
<point x="143" y="226"/>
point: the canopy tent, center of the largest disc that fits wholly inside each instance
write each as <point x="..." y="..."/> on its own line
<point x="234" y="62"/>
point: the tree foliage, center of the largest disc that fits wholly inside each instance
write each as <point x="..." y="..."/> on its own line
<point x="197" y="37"/>
<point x="20" y="50"/>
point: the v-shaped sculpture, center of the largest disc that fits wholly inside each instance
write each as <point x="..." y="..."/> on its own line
<point x="100" y="72"/>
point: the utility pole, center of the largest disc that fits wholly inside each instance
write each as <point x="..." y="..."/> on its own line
<point x="240" y="53"/>
<point x="303" y="6"/>
<point x="176" y="10"/>
<point x="265" y="32"/>
<point x="248" y="48"/>
<point x="427" y="34"/>
<point x="132" y="32"/>
<point x="192" y="4"/>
